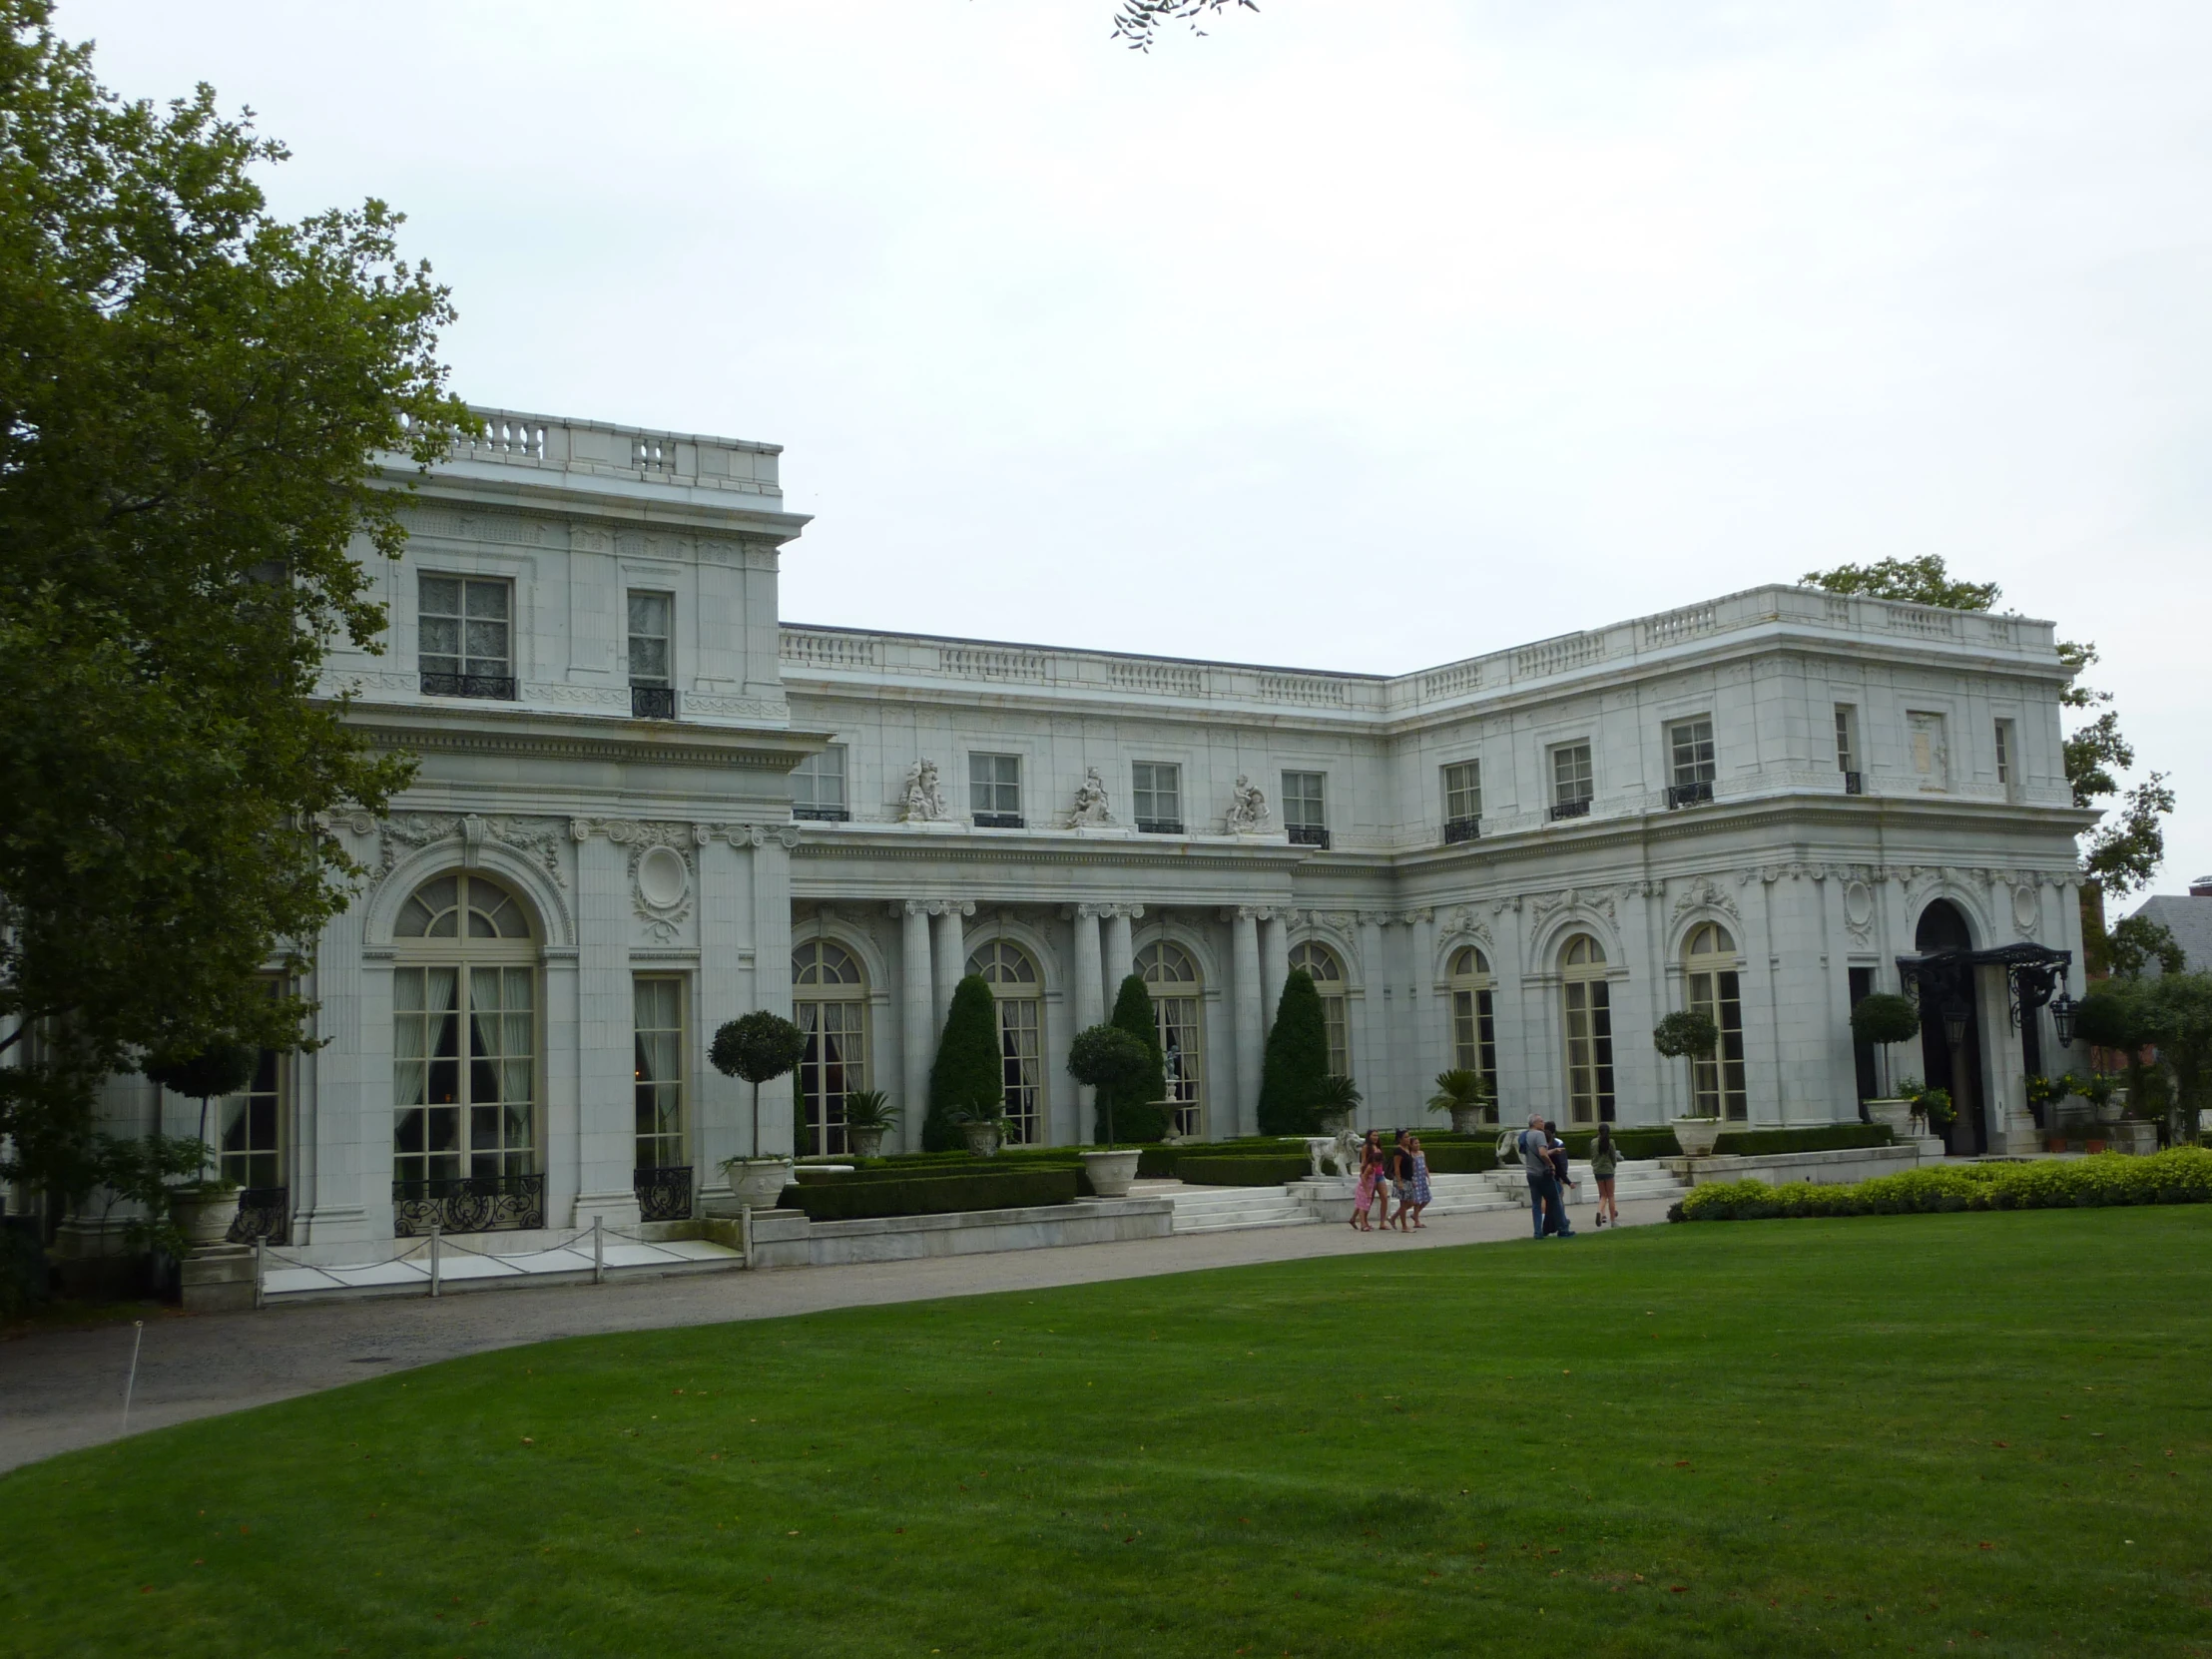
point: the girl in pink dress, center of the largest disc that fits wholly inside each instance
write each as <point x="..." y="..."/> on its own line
<point x="1370" y="1180"/>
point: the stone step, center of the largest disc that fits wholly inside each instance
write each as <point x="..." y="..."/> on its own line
<point x="1221" y="1209"/>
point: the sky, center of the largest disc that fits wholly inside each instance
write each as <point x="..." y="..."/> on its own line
<point x="1353" y="335"/>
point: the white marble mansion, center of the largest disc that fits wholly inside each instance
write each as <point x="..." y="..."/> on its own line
<point x="647" y="803"/>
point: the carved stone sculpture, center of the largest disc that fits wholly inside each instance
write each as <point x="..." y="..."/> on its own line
<point x="1090" y="801"/>
<point x="1248" y="807"/>
<point x="924" y="800"/>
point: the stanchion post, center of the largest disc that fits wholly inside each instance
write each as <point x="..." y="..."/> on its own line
<point x="261" y="1270"/>
<point x="434" y="1258"/>
<point x="744" y="1234"/>
<point x="598" y="1251"/>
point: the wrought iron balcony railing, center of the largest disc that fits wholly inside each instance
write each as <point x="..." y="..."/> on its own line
<point x="664" y="1194"/>
<point x="652" y="702"/>
<point x="998" y="820"/>
<point x="263" y="1213"/>
<point x="822" y="815"/>
<point x="1689" y="794"/>
<point x="1462" y="830"/>
<point x="467" y="1204"/>
<point x="1159" y="827"/>
<point x="501" y="687"/>
<point x="1571" y="809"/>
<point x="1854" y="782"/>
<point x="1309" y="835"/>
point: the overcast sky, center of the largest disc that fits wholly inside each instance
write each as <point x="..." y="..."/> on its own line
<point x="1360" y="333"/>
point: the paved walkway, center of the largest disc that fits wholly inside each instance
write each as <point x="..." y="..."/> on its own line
<point x="63" y="1390"/>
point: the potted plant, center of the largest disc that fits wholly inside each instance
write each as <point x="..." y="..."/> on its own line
<point x="1461" y="1092"/>
<point x="985" y="1128"/>
<point x="1933" y="1107"/>
<point x="205" y="1209"/>
<point x="868" y="1117"/>
<point x="759" y="1048"/>
<point x="1335" y="1099"/>
<point x="1693" y="1034"/>
<point x="2044" y="1094"/>
<point x="1883" y="1020"/>
<point x="1112" y="1061"/>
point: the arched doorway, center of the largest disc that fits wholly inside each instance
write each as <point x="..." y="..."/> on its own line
<point x="1944" y="998"/>
<point x="1172" y="979"/>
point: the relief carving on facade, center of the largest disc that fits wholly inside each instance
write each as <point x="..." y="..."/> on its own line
<point x="1091" y="810"/>
<point x="924" y="800"/>
<point x="1570" y="899"/>
<point x="1700" y="893"/>
<point x="537" y="839"/>
<point x="1859" y="909"/>
<point x="662" y="885"/>
<point x="1248" y="807"/>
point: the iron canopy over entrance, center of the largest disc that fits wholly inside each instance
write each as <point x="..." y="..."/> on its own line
<point x="2035" y="974"/>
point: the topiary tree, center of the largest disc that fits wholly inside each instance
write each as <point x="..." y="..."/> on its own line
<point x="1687" y="1032"/>
<point x="1142" y="1112"/>
<point x="1297" y="1059"/>
<point x="222" y="1068"/>
<point x="969" y="1077"/>
<point x="1117" y="1065"/>
<point x="1885" y="1019"/>
<point x="759" y="1048"/>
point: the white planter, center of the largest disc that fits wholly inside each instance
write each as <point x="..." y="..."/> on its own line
<point x="1467" y="1120"/>
<point x="1111" y="1171"/>
<point x="983" y="1138"/>
<point x="864" y="1143"/>
<point x="1696" y="1135"/>
<point x="758" y="1180"/>
<point x="1335" y="1123"/>
<point x="1897" y="1114"/>
<point x="203" y="1218"/>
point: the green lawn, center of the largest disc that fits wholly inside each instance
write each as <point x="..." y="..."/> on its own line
<point x="1961" y="1433"/>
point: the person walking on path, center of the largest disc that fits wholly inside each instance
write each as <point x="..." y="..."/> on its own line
<point x="1605" y="1161"/>
<point x="1546" y="1214"/>
<point x="1560" y="1167"/>
<point x="1421" y="1177"/>
<point x="1370" y="1173"/>
<point x="1401" y="1179"/>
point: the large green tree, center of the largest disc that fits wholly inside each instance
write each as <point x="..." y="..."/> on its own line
<point x="193" y="396"/>
<point x="2121" y="853"/>
<point x="969" y="1076"/>
<point x="1138" y="1112"/>
<point x="1297" y="1059"/>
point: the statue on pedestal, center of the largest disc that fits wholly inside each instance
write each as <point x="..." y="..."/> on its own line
<point x="924" y="801"/>
<point x="1248" y="807"/>
<point x="1090" y="802"/>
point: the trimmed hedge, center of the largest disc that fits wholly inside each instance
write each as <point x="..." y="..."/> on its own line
<point x="1161" y="1163"/>
<point x="1259" y="1171"/>
<point x="1629" y="1143"/>
<point x="2182" y="1174"/>
<point x="1459" y="1158"/>
<point x="931" y="1195"/>
<point x="1833" y="1136"/>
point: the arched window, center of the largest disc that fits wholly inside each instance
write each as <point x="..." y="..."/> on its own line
<point x="1589" y="1025"/>
<point x="829" y="1005"/>
<point x="464" y="1038"/>
<point x="1328" y="974"/>
<point x="1020" y="992"/>
<point x="1711" y="988"/>
<point x="1473" y="1018"/>
<point x="1172" y="979"/>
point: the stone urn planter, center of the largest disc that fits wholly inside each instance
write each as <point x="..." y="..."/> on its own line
<point x="757" y="1182"/>
<point x="1896" y="1114"/>
<point x="1467" y="1120"/>
<point x="204" y="1212"/>
<point x="1111" y="1171"/>
<point x="864" y="1143"/>
<point x="1696" y="1135"/>
<point x="1335" y="1123"/>
<point x="983" y="1138"/>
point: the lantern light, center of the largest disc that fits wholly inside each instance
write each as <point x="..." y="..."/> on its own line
<point x="2062" y="1019"/>
<point x="1954" y="1026"/>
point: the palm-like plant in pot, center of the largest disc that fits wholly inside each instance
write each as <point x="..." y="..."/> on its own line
<point x="868" y="1117"/>
<point x="1336" y="1098"/>
<point x="759" y="1048"/>
<point x="1693" y="1034"/>
<point x="1464" y="1093"/>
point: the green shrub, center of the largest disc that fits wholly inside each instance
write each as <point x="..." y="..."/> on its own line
<point x="1831" y="1137"/>
<point x="931" y="1195"/>
<point x="1885" y="1019"/>
<point x="1686" y="1031"/>
<point x="1296" y="1062"/>
<point x="1629" y="1143"/>
<point x="1251" y="1171"/>
<point x="24" y="1275"/>
<point x="1463" y="1157"/>
<point x="969" y="1074"/>
<point x="1139" y="1116"/>
<point x="2182" y="1174"/>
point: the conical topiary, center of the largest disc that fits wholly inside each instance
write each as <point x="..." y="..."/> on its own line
<point x="1297" y="1060"/>
<point x="969" y="1075"/>
<point x="1139" y="1114"/>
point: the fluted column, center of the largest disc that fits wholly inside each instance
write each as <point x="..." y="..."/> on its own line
<point x="1121" y="949"/>
<point x="1090" y="1005"/>
<point x="1424" y="1041"/>
<point x="952" y="942"/>
<point x="1274" y="964"/>
<point x="916" y="1016"/>
<point x="1374" y="977"/>
<point x="1243" y="924"/>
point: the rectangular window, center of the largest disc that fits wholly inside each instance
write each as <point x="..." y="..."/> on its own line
<point x="994" y="791"/>
<point x="818" y="786"/>
<point x="1474" y="1038"/>
<point x="1690" y="761"/>
<point x="652" y="656"/>
<point x="1717" y="1086"/>
<point x="1571" y="779"/>
<point x="2005" y="757"/>
<point x="249" y="1129"/>
<point x="1462" y="800"/>
<point x="1157" y="795"/>
<point x="659" y="1044"/>
<point x="463" y="624"/>
<point x="1847" y="749"/>
<point x="1304" y="812"/>
<point x="1589" y="1051"/>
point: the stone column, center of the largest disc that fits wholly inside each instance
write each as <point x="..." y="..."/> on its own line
<point x="1090" y="1005"/>
<point x="952" y="942"/>
<point x="1121" y="950"/>
<point x="1373" y="1058"/>
<point x="1424" y="1038"/>
<point x="772" y="977"/>
<point x="1244" y="978"/>
<point x="916" y="1017"/>
<point x="1274" y="964"/>
<point x="590" y="1103"/>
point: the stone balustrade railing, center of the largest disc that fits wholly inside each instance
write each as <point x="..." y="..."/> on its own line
<point x="507" y="438"/>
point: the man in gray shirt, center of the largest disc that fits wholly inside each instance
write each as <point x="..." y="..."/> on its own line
<point x="1548" y="1214"/>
